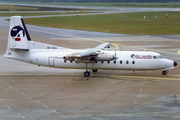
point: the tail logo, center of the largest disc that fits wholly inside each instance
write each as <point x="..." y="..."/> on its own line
<point x="15" y="33"/>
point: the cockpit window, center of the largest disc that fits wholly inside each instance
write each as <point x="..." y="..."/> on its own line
<point x="154" y="57"/>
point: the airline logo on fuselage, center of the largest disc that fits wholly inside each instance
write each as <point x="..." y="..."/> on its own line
<point x="133" y="56"/>
<point x="15" y="33"/>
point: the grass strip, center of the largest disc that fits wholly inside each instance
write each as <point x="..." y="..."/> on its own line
<point x="40" y="14"/>
<point x="129" y="23"/>
<point x="16" y="8"/>
<point x="32" y="8"/>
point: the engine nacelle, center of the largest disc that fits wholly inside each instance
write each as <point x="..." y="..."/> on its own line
<point x="104" y="56"/>
<point x="70" y="57"/>
<point x="82" y="61"/>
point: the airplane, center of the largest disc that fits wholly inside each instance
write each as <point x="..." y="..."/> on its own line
<point x="20" y="47"/>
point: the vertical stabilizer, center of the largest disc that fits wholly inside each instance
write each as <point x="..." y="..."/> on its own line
<point x="18" y="35"/>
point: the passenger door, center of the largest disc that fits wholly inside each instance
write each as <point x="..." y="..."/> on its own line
<point x="51" y="61"/>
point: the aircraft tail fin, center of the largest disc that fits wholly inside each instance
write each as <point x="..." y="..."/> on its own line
<point x="18" y="35"/>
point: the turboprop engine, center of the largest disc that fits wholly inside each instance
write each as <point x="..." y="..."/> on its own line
<point x="70" y="57"/>
<point x="101" y="56"/>
<point x="104" y="56"/>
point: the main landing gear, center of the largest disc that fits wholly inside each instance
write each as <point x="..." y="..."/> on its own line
<point x="94" y="70"/>
<point x="87" y="73"/>
<point x="165" y="72"/>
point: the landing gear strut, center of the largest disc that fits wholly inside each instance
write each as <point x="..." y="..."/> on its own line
<point x="165" y="72"/>
<point x="87" y="73"/>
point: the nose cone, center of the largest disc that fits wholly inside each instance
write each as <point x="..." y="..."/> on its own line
<point x="175" y="64"/>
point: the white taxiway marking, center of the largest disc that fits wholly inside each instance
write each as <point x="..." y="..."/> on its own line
<point x="56" y="111"/>
<point x="140" y="90"/>
<point x="46" y="106"/>
<point x="21" y="115"/>
<point x="17" y="90"/>
<point x="65" y="116"/>
<point x="30" y="98"/>
<point x="8" y="107"/>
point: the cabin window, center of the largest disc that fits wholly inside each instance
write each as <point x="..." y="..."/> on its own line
<point x="133" y="62"/>
<point x="121" y="61"/>
<point x="159" y="57"/>
<point x="154" y="57"/>
<point x="127" y="62"/>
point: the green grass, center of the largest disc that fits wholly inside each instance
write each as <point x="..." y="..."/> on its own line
<point x="129" y="4"/>
<point x="113" y="23"/>
<point x="43" y="13"/>
<point x="30" y="8"/>
<point x="10" y="8"/>
<point x="16" y="8"/>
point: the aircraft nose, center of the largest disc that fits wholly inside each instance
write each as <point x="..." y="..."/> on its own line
<point x="175" y="63"/>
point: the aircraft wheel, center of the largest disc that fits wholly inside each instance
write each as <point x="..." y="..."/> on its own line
<point x="165" y="72"/>
<point x="94" y="70"/>
<point x="86" y="74"/>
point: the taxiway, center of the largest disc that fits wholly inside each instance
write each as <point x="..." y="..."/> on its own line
<point x="31" y="92"/>
<point x="38" y="93"/>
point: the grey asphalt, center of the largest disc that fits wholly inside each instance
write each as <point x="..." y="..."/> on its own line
<point x="38" y="93"/>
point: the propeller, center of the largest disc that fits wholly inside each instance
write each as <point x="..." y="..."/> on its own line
<point x="115" y="57"/>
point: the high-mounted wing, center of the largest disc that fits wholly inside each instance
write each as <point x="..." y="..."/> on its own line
<point x="92" y="55"/>
<point x="94" y="51"/>
<point x="103" y="45"/>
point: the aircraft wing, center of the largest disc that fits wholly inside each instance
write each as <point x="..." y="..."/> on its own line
<point x="93" y="54"/>
<point x="94" y="51"/>
<point x="102" y="46"/>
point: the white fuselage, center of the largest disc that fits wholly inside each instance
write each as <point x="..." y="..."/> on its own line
<point x="126" y="60"/>
<point x="20" y="47"/>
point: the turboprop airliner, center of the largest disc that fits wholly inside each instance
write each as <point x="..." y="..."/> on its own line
<point x="20" y="47"/>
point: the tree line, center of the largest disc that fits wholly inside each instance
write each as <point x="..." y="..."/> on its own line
<point x="93" y="1"/>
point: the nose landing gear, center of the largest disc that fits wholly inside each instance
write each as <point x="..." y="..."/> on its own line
<point x="165" y="72"/>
